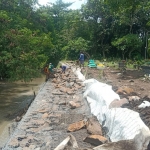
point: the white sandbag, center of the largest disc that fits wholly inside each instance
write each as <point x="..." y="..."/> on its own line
<point x="74" y="69"/>
<point x="100" y="92"/>
<point x="123" y="123"/>
<point x="89" y="82"/>
<point x="63" y="144"/>
<point x="97" y="109"/>
<point x="79" y="74"/>
<point x="144" y="104"/>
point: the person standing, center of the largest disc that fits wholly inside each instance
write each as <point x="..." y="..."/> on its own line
<point x="51" y="72"/>
<point x="46" y="71"/>
<point x="51" y="67"/>
<point x="81" y="59"/>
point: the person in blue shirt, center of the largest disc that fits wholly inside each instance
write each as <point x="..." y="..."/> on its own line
<point x="63" y="67"/>
<point x="81" y="59"/>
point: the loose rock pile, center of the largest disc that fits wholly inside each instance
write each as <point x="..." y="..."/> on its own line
<point x="58" y="110"/>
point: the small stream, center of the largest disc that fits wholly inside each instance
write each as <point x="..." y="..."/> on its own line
<point x="14" y="97"/>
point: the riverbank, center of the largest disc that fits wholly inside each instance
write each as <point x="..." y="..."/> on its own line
<point x="14" y="99"/>
<point x="45" y="124"/>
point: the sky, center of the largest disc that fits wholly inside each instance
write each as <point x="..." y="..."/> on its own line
<point x="76" y="5"/>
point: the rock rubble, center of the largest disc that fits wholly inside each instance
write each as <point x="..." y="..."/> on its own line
<point x="58" y="104"/>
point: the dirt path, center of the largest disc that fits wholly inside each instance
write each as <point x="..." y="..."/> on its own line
<point x="132" y="78"/>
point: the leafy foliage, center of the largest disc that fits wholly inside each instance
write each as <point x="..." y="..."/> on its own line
<point x="32" y="36"/>
<point x="128" y="43"/>
<point x="23" y="48"/>
<point x="149" y="47"/>
<point x="24" y="54"/>
<point x="74" y="47"/>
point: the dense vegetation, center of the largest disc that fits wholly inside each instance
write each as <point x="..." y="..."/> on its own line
<point x="32" y="36"/>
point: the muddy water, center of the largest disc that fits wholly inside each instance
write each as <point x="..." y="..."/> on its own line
<point x="14" y="97"/>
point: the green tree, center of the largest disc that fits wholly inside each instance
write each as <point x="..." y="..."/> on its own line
<point x="24" y="47"/>
<point x="24" y="55"/>
<point x="128" y="43"/>
<point x="74" y="47"/>
<point x="98" y="15"/>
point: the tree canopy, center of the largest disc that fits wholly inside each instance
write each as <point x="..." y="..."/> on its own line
<point x="34" y="35"/>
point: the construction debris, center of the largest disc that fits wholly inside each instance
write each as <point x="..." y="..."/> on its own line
<point x="76" y="126"/>
<point x="74" y="105"/>
<point x="140" y="142"/>
<point x="95" y="140"/>
<point x="133" y="98"/>
<point x="118" y="103"/>
<point x="125" y="90"/>
<point x="93" y="126"/>
<point x="64" y="143"/>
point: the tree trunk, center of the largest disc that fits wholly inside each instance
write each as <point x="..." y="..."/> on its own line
<point x="130" y="53"/>
<point x="103" y="53"/>
<point x="123" y="54"/>
<point x="130" y="29"/>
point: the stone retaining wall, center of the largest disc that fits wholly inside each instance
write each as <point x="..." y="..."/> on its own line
<point x="57" y="105"/>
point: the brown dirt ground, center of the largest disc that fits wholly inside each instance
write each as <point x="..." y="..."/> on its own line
<point x="132" y="79"/>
